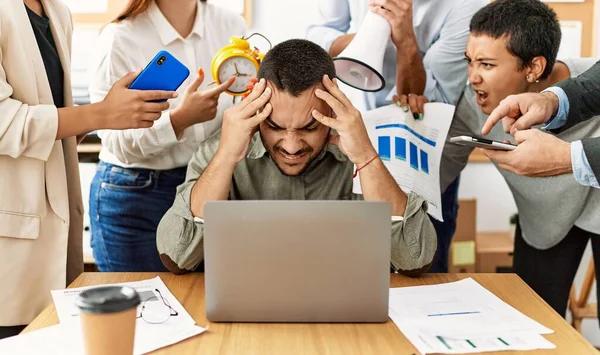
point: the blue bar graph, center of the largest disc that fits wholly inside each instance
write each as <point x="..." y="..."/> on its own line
<point x="384" y="148"/>
<point x="405" y="127"/>
<point x="424" y="162"/>
<point x="415" y="153"/>
<point x="400" y="148"/>
<point x="414" y="156"/>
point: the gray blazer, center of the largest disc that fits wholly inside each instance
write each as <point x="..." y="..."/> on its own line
<point x="548" y="207"/>
<point x="583" y="92"/>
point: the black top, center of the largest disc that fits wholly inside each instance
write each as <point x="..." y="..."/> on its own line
<point x="45" y="41"/>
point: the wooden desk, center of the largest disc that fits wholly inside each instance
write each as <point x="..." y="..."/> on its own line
<point x="264" y="339"/>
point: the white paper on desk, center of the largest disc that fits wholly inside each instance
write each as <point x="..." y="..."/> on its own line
<point x="54" y="340"/>
<point x="430" y="344"/>
<point x="67" y="339"/>
<point x="67" y="311"/>
<point x="411" y="149"/>
<point x="459" y="308"/>
<point x="459" y="311"/>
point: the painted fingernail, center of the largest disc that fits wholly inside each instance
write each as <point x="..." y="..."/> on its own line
<point x="405" y="108"/>
<point x="249" y="87"/>
<point x="420" y="116"/>
<point x="254" y="80"/>
<point x="232" y="79"/>
<point x="200" y="71"/>
<point x="415" y="115"/>
<point x="398" y="103"/>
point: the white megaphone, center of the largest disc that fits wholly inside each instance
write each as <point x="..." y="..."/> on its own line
<point x="360" y="64"/>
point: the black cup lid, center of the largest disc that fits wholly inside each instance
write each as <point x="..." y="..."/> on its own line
<point x="107" y="299"/>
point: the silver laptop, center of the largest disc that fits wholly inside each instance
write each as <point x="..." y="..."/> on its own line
<point x="297" y="261"/>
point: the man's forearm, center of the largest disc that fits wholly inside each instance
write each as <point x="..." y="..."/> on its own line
<point x="213" y="184"/>
<point x="377" y="184"/>
<point x="410" y="71"/>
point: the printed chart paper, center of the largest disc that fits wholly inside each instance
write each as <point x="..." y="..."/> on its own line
<point x="411" y="149"/>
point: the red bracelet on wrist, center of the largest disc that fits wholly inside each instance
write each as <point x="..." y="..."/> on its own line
<point x="359" y="169"/>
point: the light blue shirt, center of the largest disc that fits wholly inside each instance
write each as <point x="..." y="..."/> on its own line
<point x="582" y="171"/>
<point x="441" y="29"/>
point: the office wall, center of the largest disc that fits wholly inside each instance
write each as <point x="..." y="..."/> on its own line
<point x="283" y="19"/>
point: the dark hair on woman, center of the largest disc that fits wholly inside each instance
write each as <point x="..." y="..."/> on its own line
<point x="296" y="65"/>
<point x="530" y="27"/>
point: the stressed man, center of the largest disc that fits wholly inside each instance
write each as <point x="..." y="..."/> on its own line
<point x="295" y="137"/>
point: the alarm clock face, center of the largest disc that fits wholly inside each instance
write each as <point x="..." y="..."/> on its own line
<point x="242" y="69"/>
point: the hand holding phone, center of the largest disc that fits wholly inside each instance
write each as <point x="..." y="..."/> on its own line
<point x="164" y="72"/>
<point x="123" y="108"/>
<point x="482" y="143"/>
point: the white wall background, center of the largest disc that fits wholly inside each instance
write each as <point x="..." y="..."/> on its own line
<point x="280" y="20"/>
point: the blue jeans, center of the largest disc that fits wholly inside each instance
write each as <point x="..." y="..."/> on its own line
<point x="445" y="230"/>
<point x="126" y="206"/>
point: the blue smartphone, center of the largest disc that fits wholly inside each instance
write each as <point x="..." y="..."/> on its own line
<point x="164" y="72"/>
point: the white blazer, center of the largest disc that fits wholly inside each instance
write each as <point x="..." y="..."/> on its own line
<point x="41" y="212"/>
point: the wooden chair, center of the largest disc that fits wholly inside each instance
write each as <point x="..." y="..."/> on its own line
<point x="579" y="307"/>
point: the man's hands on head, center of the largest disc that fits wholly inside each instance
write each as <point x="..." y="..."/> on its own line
<point x="352" y="137"/>
<point x="521" y="112"/>
<point x="241" y="121"/>
<point x="376" y="182"/>
<point x="399" y="15"/>
<point x="538" y="154"/>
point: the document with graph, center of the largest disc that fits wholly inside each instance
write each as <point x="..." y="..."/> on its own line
<point x="411" y="149"/>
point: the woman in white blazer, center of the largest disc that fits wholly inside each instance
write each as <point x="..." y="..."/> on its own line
<point x="139" y="170"/>
<point x="40" y="194"/>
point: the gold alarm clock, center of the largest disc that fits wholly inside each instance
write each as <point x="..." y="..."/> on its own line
<point x="237" y="60"/>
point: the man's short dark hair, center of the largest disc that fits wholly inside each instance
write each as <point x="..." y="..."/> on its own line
<point x="531" y="29"/>
<point x="296" y="65"/>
